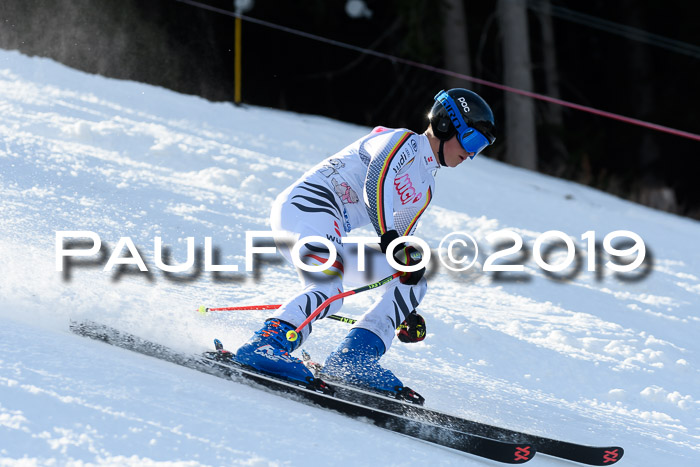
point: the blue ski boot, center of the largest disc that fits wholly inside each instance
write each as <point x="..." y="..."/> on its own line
<point x="356" y="362"/>
<point x="269" y="351"/>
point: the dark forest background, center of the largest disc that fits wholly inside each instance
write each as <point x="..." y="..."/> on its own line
<point x="191" y="50"/>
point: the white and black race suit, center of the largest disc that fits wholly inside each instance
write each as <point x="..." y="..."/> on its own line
<point x="385" y="178"/>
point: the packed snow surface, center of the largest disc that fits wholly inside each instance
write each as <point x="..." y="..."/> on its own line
<point x="588" y="356"/>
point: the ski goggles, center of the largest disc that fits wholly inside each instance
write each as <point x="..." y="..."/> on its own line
<point x="471" y="139"/>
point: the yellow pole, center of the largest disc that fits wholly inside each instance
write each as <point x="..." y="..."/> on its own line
<point x="237" y="65"/>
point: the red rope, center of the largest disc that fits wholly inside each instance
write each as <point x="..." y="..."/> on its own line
<point x="502" y="87"/>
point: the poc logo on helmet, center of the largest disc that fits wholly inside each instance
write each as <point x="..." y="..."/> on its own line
<point x="463" y="101"/>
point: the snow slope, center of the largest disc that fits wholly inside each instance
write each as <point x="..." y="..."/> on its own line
<point x="595" y="359"/>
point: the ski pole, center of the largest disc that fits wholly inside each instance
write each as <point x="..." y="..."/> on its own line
<point x="342" y="319"/>
<point x="204" y="310"/>
<point x="294" y="334"/>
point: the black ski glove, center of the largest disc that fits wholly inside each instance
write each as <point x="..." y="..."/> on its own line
<point x="409" y="256"/>
<point x="406" y="255"/>
<point x="388" y="237"/>
<point x="412" y="329"/>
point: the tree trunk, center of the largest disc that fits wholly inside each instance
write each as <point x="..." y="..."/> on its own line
<point x="549" y="54"/>
<point x="521" y="138"/>
<point x="454" y="34"/>
<point x="639" y="65"/>
<point x="555" y="115"/>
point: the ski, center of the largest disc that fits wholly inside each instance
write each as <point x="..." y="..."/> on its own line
<point x="219" y="363"/>
<point x="591" y="455"/>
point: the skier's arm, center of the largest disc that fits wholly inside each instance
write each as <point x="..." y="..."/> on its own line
<point x="406" y="219"/>
<point x="386" y="158"/>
